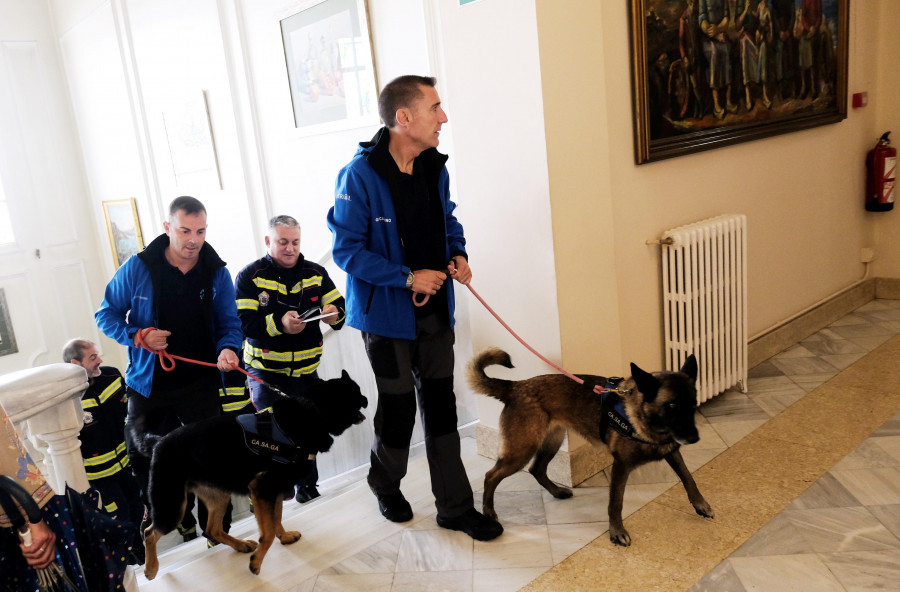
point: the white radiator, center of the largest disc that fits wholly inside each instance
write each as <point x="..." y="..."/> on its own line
<point x="704" y="274"/>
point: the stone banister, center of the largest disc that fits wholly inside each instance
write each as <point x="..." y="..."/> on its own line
<point x="47" y="401"/>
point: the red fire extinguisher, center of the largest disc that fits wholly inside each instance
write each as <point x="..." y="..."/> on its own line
<point x="881" y="169"/>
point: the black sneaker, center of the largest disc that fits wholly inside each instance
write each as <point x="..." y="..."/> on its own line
<point x="473" y="523"/>
<point x="306" y="493"/>
<point x="394" y="507"/>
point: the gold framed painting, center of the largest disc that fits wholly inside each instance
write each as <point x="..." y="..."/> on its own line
<point x="124" y="228"/>
<point x="711" y="73"/>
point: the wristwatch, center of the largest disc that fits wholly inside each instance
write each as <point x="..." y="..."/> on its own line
<point x="410" y="279"/>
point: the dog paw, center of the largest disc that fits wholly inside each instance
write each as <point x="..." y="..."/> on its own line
<point x="289" y="536"/>
<point x="255" y="565"/>
<point x="620" y="537"/>
<point x="704" y="509"/>
<point x="246" y="546"/>
<point x="150" y="572"/>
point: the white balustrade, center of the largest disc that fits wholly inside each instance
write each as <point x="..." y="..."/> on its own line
<point x="46" y="401"/>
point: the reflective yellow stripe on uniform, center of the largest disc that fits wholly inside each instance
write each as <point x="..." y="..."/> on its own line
<point x="331" y="297"/>
<point x="108" y="391"/>
<point x="105" y="473"/>
<point x="286" y="371"/>
<point x="270" y="326"/>
<point x="270" y="285"/>
<point x="251" y="353"/>
<point x="247" y="304"/>
<point x="233" y="398"/>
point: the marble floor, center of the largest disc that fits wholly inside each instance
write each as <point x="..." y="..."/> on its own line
<point x="842" y="533"/>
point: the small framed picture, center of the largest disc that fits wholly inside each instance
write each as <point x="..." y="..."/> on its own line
<point x="124" y="228"/>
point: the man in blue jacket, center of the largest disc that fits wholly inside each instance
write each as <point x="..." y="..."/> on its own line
<point x="176" y="295"/>
<point x="397" y="238"/>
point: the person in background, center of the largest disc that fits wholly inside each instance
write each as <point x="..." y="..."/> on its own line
<point x="175" y="296"/>
<point x="103" y="435"/>
<point x="397" y="238"/>
<point x="278" y="297"/>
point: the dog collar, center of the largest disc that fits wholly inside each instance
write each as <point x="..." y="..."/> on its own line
<point x="263" y="435"/>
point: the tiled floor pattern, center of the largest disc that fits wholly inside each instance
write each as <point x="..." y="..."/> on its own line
<point x="842" y="534"/>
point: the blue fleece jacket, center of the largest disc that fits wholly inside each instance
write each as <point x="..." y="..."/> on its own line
<point x="129" y="304"/>
<point x="367" y="242"/>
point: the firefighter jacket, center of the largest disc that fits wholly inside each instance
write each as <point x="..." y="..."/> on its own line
<point x="103" y="434"/>
<point x="266" y="291"/>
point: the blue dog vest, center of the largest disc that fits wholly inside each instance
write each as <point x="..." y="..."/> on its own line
<point x="263" y="436"/>
<point x="612" y="405"/>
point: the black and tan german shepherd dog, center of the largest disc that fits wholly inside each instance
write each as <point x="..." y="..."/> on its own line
<point x="645" y="418"/>
<point x="262" y="454"/>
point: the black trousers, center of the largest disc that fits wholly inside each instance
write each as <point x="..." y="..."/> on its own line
<point x="420" y="371"/>
<point x="159" y="414"/>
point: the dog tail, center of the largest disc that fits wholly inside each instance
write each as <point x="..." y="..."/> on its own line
<point x="484" y="384"/>
<point x="168" y="487"/>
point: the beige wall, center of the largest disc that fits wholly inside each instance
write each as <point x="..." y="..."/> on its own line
<point x="801" y="192"/>
<point x="886" y="49"/>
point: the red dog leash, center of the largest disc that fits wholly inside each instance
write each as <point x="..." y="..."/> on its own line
<point x="167" y="360"/>
<point x="597" y="388"/>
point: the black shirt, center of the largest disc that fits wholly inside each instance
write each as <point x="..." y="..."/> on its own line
<point x="183" y="312"/>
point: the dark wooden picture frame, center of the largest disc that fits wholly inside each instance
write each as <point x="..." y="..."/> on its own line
<point x="775" y="67"/>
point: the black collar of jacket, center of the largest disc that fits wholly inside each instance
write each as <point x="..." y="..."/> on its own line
<point x="381" y="160"/>
<point x="153" y="257"/>
<point x="152" y="254"/>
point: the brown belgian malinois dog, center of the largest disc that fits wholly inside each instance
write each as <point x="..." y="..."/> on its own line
<point x="644" y="418"/>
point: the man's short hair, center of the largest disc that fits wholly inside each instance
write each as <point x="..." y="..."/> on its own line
<point x="74" y="349"/>
<point x="187" y="204"/>
<point x="399" y="93"/>
<point x="283" y="220"/>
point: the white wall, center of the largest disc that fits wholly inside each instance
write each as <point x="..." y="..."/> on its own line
<point x="50" y="276"/>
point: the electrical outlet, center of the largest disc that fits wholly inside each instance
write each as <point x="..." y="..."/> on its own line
<point x="866" y="254"/>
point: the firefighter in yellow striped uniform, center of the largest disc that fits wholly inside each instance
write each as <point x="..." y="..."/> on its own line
<point x="103" y="434"/>
<point x="275" y="296"/>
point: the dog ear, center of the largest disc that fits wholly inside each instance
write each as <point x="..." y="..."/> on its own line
<point x="344" y="375"/>
<point x="646" y="383"/>
<point x="690" y="367"/>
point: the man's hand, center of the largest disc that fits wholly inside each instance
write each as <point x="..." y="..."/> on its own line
<point x="333" y="318"/>
<point x="292" y="323"/>
<point x="428" y="281"/>
<point x="462" y="273"/>
<point x="155" y="339"/>
<point x="228" y="360"/>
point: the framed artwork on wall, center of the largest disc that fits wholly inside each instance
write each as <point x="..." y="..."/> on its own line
<point x="711" y="73"/>
<point x="331" y="71"/>
<point x="190" y="142"/>
<point x="7" y="336"/>
<point x="124" y="228"/>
